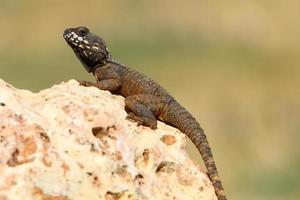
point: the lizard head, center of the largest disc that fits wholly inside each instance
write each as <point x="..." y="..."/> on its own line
<point x="89" y="48"/>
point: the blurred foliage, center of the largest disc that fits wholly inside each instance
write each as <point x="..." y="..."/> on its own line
<point x="233" y="64"/>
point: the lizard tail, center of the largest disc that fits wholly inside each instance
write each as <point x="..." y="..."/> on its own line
<point x="198" y="137"/>
<point x="185" y="122"/>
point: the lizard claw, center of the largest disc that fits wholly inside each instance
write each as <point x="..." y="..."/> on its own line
<point x="132" y="117"/>
<point x="142" y="121"/>
<point x="85" y="83"/>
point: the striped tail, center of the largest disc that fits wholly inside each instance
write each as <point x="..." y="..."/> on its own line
<point x="179" y="117"/>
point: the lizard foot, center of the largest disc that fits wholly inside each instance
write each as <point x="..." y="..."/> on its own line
<point x="86" y="83"/>
<point x="142" y="121"/>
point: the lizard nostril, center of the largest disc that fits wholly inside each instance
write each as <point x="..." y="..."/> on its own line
<point x="67" y="31"/>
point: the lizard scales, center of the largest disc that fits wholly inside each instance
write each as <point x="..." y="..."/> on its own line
<point x="145" y="100"/>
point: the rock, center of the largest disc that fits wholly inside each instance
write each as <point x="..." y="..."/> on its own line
<point x="72" y="142"/>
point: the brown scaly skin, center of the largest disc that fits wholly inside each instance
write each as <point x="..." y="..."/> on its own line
<point x="145" y="100"/>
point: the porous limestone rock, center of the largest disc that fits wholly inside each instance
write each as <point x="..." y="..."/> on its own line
<point x="71" y="143"/>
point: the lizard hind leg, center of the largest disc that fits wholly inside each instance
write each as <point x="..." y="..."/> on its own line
<point x="142" y="109"/>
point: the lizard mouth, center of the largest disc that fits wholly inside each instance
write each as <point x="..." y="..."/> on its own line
<point x="67" y="34"/>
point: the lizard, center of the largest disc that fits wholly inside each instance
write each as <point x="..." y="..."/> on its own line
<point x="145" y="100"/>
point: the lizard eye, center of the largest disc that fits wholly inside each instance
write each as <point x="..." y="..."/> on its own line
<point x="83" y="31"/>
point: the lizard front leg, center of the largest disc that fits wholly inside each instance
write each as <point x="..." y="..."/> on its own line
<point x="107" y="79"/>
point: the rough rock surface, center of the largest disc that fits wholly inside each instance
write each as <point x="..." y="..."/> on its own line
<point x="72" y="142"/>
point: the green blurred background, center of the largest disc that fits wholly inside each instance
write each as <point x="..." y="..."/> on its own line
<point x="233" y="64"/>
